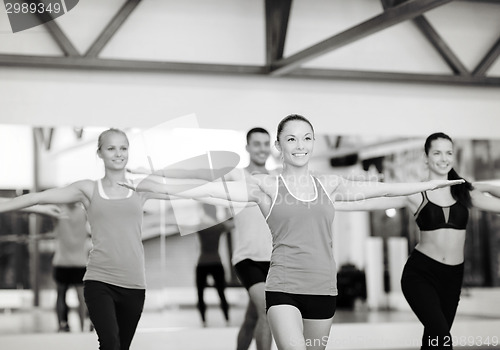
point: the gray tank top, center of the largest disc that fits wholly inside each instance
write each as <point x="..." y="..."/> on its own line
<point x="302" y="259"/>
<point x="72" y="246"/>
<point x="117" y="255"/>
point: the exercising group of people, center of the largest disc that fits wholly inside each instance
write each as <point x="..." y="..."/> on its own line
<point x="283" y="253"/>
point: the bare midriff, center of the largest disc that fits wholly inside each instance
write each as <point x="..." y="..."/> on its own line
<point x="445" y="245"/>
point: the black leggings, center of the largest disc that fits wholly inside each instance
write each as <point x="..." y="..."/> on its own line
<point x="66" y="277"/>
<point x="433" y="290"/>
<point x="115" y="312"/>
<point x="217" y="272"/>
<point x="62" y="308"/>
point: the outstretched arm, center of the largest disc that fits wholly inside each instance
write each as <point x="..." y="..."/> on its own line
<point x="485" y="202"/>
<point x="359" y="190"/>
<point x="45" y="209"/>
<point x="201" y="173"/>
<point x="226" y="203"/>
<point x="494" y="190"/>
<point x="234" y="191"/>
<point x="157" y="177"/>
<point x="380" y="203"/>
<point x="217" y="202"/>
<point x="69" y="194"/>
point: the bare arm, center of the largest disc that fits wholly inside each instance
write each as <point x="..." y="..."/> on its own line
<point x="359" y="190"/>
<point x="201" y="174"/>
<point x="234" y="191"/>
<point x="494" y="190"/>
<point x="380" y="203"/>
<point x="157" y="177"/>
<point x="485" y="202"/>
<point x="64" y="195"/>
<point x="45" y="209"/>
<point x="226" y="203"/>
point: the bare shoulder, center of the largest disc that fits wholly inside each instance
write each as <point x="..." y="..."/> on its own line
<point x="84" y="184"/>
<point x="86" y="187"/>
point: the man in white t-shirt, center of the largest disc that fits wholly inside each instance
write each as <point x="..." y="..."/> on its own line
<point x="252" y="251"/>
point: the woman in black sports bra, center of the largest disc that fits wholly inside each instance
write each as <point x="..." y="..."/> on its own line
<point x="432" y="277"/>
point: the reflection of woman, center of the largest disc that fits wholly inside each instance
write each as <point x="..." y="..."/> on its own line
<point x="10" y="239"/>
<point x="70" y="260"/>
<point x="301" y="285"/>
<point x="114" y="283"/>
<point x="432" y="277"/>
<point x="209" y="262"/>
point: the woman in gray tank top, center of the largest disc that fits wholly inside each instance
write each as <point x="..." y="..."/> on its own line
<point x="114" y="283"/>
<point x="301" y="285"/>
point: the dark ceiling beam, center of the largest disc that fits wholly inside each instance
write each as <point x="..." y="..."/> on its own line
<point x="61" y="39"/>
<point x="57" y="33"/>
<point x="391" y="16"/>
<point x="457" y="80"/>
<point x="487" y="60"/>
<point x="277" y="15"/>
<point x="435" y="39"/>
<point x="440" y="45"/>
<point x="92" y="63"/>
<point x="98" y="64"/>
<point x="485" y="1"/>
<point x="112" y="27"/>
<point x="387" y="3"/>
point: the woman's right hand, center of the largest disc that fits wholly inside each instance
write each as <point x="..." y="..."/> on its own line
<point x="445" y="183"/>
<point x="51" y="210"/>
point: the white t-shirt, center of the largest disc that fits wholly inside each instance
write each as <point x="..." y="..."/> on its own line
<point x="252" y="238"/>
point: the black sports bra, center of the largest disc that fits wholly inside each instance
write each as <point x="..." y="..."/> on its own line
<point x="431" y="216"/>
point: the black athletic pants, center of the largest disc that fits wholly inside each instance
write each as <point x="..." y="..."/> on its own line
<point x="433" y="290"/>
<point x="115" y="312"/>
<point x="217" y="272"/>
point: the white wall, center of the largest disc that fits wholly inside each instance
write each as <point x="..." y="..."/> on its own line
<point x="16" y="158"/>
<point x="53" y="97"/>
<point x="233" y="32"/>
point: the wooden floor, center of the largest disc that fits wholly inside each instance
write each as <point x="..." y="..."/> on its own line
<point x="180" y="329"/>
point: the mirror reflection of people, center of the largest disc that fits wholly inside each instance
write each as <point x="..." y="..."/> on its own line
<point x="10" y="239"/>
<point x="209" y="261"/>
<point x="433" y="274"/>
<point x="115" y="281"/>
<point x="299" y="208"/>
<point x="70" y="261"/>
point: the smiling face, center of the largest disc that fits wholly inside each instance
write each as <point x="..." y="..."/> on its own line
<point x="440" y="157"/>
<point x="296" y="142"/>
<point x="259" y="148"/>
<point x="113" y="150"/>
